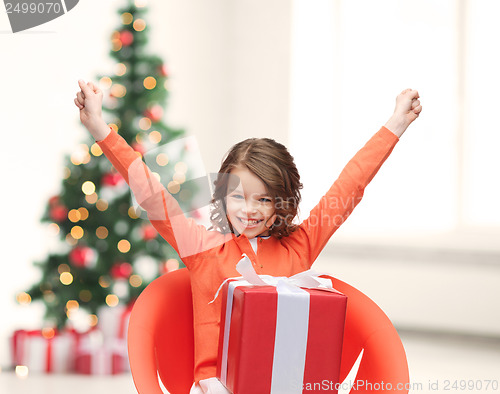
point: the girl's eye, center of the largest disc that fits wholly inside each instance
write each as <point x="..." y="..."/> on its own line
<point x="237" y="196"/>
<point x="265" y="200"/>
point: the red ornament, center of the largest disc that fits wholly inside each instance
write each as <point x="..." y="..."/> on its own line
<point x="163" y="70"/>
<point x="53" y="201"/>
<point x="126" y="37"/>
<point x="58" y="213"/>
<point x="148" y="232"/>
<point x="121" y="270"/>
<point x="112" y="179"/>
<point x="154" y="113"/>
<point x="81" y="256"/>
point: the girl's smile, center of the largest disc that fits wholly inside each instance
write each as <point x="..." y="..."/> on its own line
<point x="249" y="207"/>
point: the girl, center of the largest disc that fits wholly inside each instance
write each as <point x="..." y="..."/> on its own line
<point x="255" y="201"/>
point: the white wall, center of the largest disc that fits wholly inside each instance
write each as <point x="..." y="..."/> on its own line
<point x="229" y="66"/>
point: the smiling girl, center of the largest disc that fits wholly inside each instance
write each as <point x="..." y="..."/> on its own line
<point x="256" y="198"/>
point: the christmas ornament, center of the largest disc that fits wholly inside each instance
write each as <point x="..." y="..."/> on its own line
<point x="121" y="270"/>
<point x="82" y="256"/>
<point x="126" y="37"/>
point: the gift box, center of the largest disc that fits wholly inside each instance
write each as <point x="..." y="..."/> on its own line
<point x="46" y="351"/>
<point x="97" y="356"/>
<point x="279" y="337"/>
<point x="103" y="351"/>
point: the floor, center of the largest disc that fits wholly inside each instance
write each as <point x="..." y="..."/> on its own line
<point x="438" y="364"/>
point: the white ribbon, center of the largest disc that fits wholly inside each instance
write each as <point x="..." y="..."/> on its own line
<point x="292" y="322"/>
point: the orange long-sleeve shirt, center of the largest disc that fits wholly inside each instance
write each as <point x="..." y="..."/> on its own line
<point x="211" y="256"/>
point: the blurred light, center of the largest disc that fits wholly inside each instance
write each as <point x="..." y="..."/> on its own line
<point x="85" y="295"/>
<point x="74" y="215"/>
<point x="149" y="83"/>
<point x="118" y="90"/>
<point x="84" y="213"/>
<point x="104" y="282"/>
<point x="66" y="173"/>
<point x="102" y="232"/>
<point x="70" y="240"/>
<point x="179" y="177"/>
<point x="66" y="278"/>
<point x="88" y="188"/>
<point x="48" y="332"/>
<point x="22" y="371"/>
<point x="93" y="320"/>
<point x="114" y="127"/>
<point x="135" y="280"/>
<point x="155" y="137"/>
<point x="105" y="82"/>
<point x="77" y="232"/>
<point x="173" y="187"/>
<point x="123" y="246"/>
<point x="139" y="24"/>
<point x="96" y="150"/>
<point x="172" y="265"/>
<point x="121" y="69"/>
<point x="101" y="205"/>
<point x="54" y="228"/>
<point x="112" y="300"/>
<point x="134" y="213"/>
<point x="181" y="167"/>
<point x="145" y="123"/>
<point x="49" y="296"/>
<point x="72" y="305"/>
<point x="63" y="268"/>
<point x="157" y="176"/>
<point x="116" y="44"/>
<point x="162" y="159"/>
<point x="92" y="198"/>
<point x="23" y="298"/>
<point x="141" y="3"/>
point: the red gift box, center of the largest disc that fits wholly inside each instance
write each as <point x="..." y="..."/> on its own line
<point x="48" y="351"/>
<point x="280" y="338"/>
<point x="97" y="356"/>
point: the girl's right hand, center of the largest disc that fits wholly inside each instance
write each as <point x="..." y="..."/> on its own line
<point x="89" y="102"/>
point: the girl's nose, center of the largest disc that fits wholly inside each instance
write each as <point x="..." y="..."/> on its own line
<point x="249" y="207"/>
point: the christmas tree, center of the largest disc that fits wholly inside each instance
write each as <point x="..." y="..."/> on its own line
<point x="109" y="254"/>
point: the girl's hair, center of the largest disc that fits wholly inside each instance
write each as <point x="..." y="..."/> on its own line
<point x="271" y="162"/>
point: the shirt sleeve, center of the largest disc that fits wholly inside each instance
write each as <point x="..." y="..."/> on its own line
<point x="186" y="236"/>
<point x="347" y="191"/>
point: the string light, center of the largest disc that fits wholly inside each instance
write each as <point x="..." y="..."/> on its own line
<point x="66" y="278"/>
<point x="77" y="232"/>
<point x="121" y="69"/>
<point x="85" y="295"/>
<point x="84" y="213"/>
<point x="118" y="90"/>
<point x="179" y="177"/>
<point x="135" y="280"/>
<point x="114" y="126"/>
<point x="140" y="3"/>
<point x="104" y="282"/>
<point x="72" y="305"/>
<point x="88" y="188"/>
<point x="181" y="167"/>
<point x="127" y="18"/>
<point x="66" y="173"/>
<point x="101" y="205"/>
<point x="112" y="300"/>
<point x="105" y="82"/>
<point x="139" y="24"/>
<point x="102" y="232"/>
<point x="23" y="298"/>
<point x="96" y="150"/>
<point x="155" y="137"/>
<point x="54" y="228"/>
<point x="162" y="159"/>
<point x="74" y="215"/>
<point x="123" y="246"/>
<point x="149" y="83"/>
<point x="145" y="124"/>
<point x="171" y="265"/>
<point x="92" y="198"/>
<point x="93" y="320"/>
<point x="134" y="213"/>
<point x="63" y="268"/>
<point x="173" y="187"/>
<point x="48" y="332"/>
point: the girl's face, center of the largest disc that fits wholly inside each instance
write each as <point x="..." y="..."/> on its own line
<point x="250" y="208"/>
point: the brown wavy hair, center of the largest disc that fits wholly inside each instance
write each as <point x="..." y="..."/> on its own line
<point x="271" y="162"/>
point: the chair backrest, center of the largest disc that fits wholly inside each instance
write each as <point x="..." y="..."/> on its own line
<point x="160" y="340"/>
